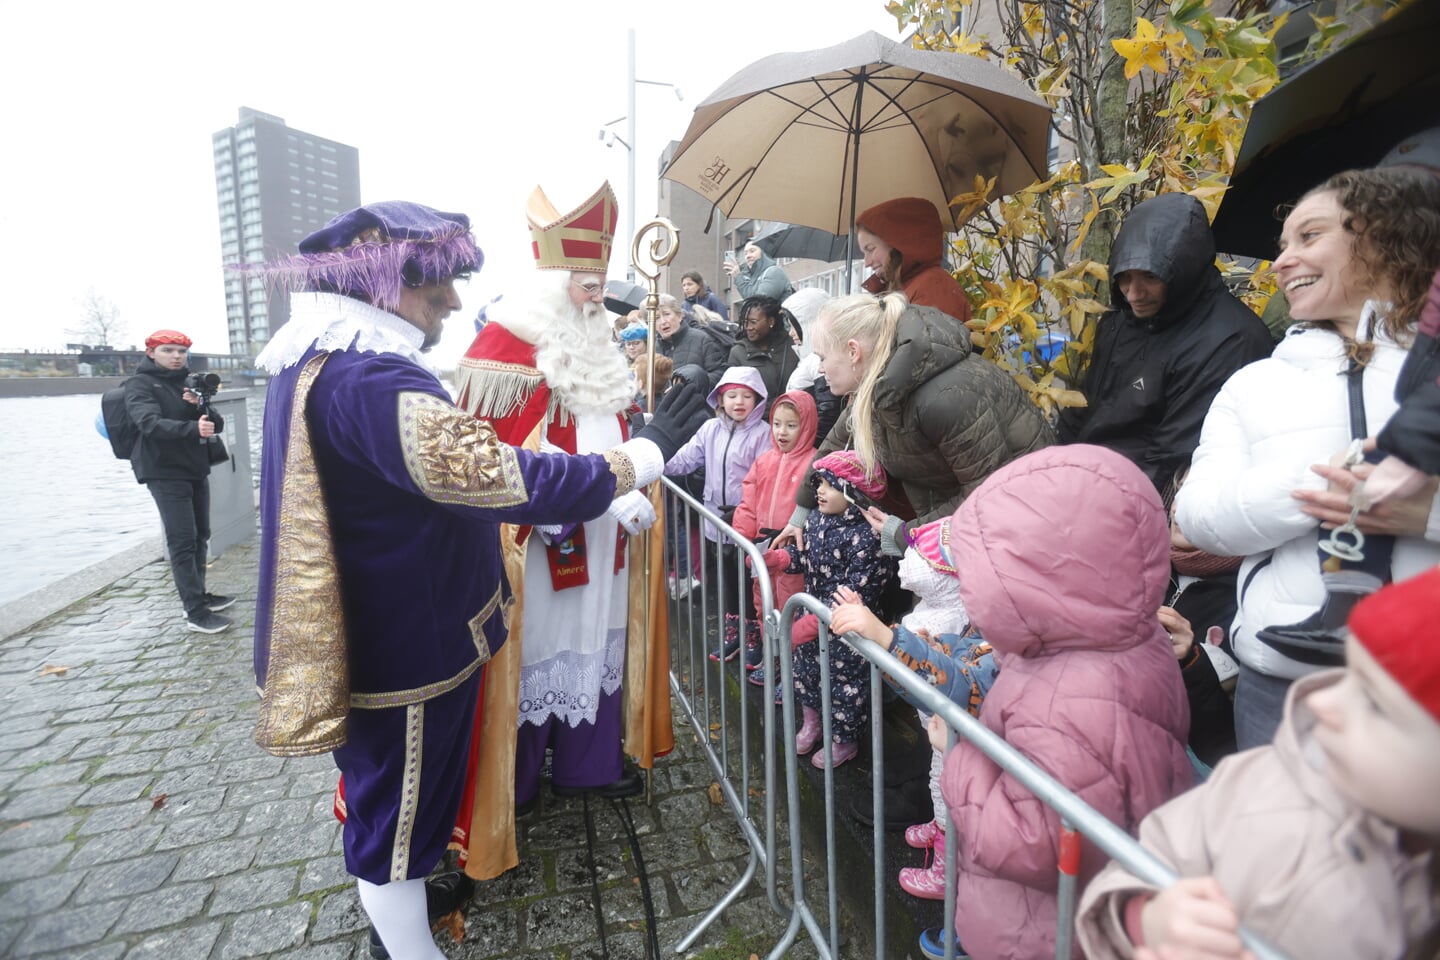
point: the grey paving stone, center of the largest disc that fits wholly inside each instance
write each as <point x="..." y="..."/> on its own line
<point x="267" y="931"/>
<point x="555" y="921"/>
<point x="526" y="880"/>
<point x="187" y="782"/>
<point x="38" y="832"/>
<point x="118" y="844"/>
<point x="572" y="872"/>
<point x="28" y="804"/>
<point x="169" y="739"/>
<point x="52" y="774"/>
<point x="340" y="913"/>
<point x="24" y="864"/>
<point x="181" y="757"/>
<point x="202" y="802"/>
<point x="193" y="831"/>
<point x="116" y="791"/>
<point x="121" y="816"/>
<point x="9" y="930"/>
<point x="104" y="746"/>
<point x="191" y="942"/>
<point x="163" y="908"/>
<point x="257" y="791"/>
<point x="722" y="839"/>
<point x="87" y="731"/>
<point x="217" y="859"/>
<point x="487" y="933"/>
<point x="130" y="763"/>
<point x="276" y="814"/>
<point x="254" y="768"/>
<point x="337" y="950"/>
<point x="63" y="930"/>
<point x="326" y="873"/>
<point x="104" y="951"/>
<point x="126" y="877"/>
<point x="20" y="739"/>
<point x="86" y="714"/>
<point x="248" y="891"/>
<point x="291" y="844"/>
<point x="31" y="898"/>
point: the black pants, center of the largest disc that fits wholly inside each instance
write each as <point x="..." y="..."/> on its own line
<point x="185" y="513"/>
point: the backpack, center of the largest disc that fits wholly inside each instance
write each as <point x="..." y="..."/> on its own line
<point x="719" y="334"/>
<point x="119" y="428"/>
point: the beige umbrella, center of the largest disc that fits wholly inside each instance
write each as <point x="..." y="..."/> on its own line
<point x="811" y="138"/>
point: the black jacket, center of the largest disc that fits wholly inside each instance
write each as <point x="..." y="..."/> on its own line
<point x="1413" y="433"/>
<point x="169" y="447"/>
<point x="692" y="345"/>
<point x="1150" y="382"/>
<point x="774" y="356"/>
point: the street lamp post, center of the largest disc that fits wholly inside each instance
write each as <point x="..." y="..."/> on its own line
<point x="628" y="142"/>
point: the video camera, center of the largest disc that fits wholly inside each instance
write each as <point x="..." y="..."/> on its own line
<point x="203" y="385"/>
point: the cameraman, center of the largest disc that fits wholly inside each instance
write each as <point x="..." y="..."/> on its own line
<point x="172" y="459"/>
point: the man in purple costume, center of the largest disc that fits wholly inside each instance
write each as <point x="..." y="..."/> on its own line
<point x="382" y="591"/>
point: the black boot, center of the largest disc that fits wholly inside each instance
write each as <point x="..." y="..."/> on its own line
<point x="1319" y="639"/>
<point x="630" y="783"/>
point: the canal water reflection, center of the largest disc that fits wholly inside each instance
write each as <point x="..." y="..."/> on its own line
<point x="65" y="501"/>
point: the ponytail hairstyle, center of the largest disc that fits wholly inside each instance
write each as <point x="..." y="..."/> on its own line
<point x="870" y="321"/>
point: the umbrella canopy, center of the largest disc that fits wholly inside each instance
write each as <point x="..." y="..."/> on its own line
<point x="1342" y="113"/>
<point x="622" y="296"/>
<point x="812" y="138"/>
<point x="780" y="239"/>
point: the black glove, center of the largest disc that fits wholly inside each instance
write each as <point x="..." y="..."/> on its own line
<point x="677" y="416"/>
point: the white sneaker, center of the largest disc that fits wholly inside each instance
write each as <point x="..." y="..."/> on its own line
<point x="680" y="589"/>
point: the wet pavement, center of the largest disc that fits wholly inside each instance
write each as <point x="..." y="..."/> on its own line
<point x="138" y="819"/>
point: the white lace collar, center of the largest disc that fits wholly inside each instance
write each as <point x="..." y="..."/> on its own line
<point x="331" y="322"/>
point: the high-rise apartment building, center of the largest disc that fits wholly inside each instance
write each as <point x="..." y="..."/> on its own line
<point x="274" y="185"/>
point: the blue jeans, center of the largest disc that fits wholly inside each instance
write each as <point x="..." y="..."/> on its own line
<point x="1259" y="707"/>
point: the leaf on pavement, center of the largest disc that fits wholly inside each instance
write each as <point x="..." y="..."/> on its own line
<point x="159" y="801"/>
<point x="452" y="923"/>
<point x="51" y="668"/>
<point x="716" y="797"/>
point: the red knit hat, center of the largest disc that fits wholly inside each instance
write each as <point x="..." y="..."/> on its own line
<point x="1400" y="627"/>
<point x="166" y="336"/>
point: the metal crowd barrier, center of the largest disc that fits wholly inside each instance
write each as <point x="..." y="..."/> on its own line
<point x="699" y="689"/>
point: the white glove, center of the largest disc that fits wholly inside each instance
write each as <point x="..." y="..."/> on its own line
<point x="633" y="511"/>
<point x="548" y="531"/>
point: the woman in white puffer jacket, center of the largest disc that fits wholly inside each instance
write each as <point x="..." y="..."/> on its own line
<point x="1358" y="252"/>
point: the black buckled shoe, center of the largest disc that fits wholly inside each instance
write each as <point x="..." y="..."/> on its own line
<point x="444" y="893"/>
<point x="631" y="783"/>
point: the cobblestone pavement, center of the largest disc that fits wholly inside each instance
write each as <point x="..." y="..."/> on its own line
<point x="138" y="819"/>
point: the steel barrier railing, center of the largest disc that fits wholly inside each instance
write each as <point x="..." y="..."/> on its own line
<point x="698" y="688"/>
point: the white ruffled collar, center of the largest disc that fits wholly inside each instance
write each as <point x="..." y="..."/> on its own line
<point x="331" y="322"/>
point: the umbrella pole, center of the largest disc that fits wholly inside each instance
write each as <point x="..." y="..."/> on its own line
<point x="854" y="182"/>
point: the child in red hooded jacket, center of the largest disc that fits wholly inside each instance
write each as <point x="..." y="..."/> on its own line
<point x="767" y="498"/>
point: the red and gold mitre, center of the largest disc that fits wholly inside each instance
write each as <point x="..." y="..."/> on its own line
<point x="578" y="240"/>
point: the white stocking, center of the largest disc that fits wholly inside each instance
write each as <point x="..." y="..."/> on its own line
<point x="401" y="917"/>
<point x="937" y="766"/>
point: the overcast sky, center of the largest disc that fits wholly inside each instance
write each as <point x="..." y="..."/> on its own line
<point x="106" y="178"/>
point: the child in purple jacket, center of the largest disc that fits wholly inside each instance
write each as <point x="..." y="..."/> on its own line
<point x="727" y="447"/>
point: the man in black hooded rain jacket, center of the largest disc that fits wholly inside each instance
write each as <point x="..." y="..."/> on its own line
<point x="1171" y="340"/>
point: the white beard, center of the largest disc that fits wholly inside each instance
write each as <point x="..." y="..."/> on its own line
<point x="573" y="351"/>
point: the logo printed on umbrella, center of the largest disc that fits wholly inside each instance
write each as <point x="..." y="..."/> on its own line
<point x="717" y="171"/>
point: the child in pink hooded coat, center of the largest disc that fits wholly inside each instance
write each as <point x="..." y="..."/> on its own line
<point x="767" y="499"/>
<point x="1063" y="557"/>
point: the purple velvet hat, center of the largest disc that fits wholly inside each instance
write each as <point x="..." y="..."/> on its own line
<point x="375" y="250"/>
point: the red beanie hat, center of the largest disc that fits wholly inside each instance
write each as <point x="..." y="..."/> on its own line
<point x="1400" y="626"/>
<point x="166" y="336"/>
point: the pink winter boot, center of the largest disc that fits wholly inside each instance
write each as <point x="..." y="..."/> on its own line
<point x="927" y="883"/>
<point x="809" y="733"/>
<point x="840" y="753"/>
<point x="922" y="836"/>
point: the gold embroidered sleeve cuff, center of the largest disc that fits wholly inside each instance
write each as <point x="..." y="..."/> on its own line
<point x="624" y="470"/>
<point x="647" y="464"/>
<point x="454" y="458"/>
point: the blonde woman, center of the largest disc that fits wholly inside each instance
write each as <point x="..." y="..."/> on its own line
<point x="937" y="418"/>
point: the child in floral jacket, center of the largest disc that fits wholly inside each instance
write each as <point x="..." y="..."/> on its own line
<point x="840" y="551"/>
